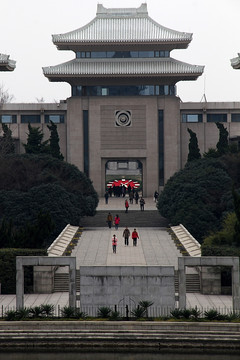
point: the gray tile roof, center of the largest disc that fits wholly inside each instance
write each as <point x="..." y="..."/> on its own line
<point x="236" y="62"/>
<point x="122" y="25"/>
<point x="6" y="64"/>
<point x="91" y="67"/>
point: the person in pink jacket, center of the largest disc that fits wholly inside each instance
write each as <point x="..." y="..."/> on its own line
<point x="114" y="244"/>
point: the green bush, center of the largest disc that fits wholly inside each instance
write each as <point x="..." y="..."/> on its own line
<point x="34" y="184"/>
<point x="104" y="312"/>
<point x="197" y="196"/>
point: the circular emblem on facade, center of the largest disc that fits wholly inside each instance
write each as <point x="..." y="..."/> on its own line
<point x="123" y="118"/>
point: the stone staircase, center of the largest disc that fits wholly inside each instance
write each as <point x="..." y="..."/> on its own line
<point x="61" y="282"/>
<point x="134" y="218"/>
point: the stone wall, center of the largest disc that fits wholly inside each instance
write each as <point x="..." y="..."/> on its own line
<point x="126" y="285"/>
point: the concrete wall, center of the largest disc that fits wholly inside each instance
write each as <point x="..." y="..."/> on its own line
<point x="43" y="279"/>
<point x="126" y="285"/>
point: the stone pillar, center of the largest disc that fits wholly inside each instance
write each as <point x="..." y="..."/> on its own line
<point x="72" y="283"/>
<point x="181" y="283"/>
<point x="19" y="283"/>
<point x="235" y="284"/>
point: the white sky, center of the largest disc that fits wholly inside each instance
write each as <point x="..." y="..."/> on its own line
<point x="26" y="27"/>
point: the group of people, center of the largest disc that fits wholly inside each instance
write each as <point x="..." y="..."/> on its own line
<point x="142" y="203"/>
<point x="110" y="221"/>
<point x="126" y="235"/>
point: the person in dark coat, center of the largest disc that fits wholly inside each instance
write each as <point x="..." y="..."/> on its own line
<point x="109" y="220"/>
<point x="126" y="234"/>
<point x="126" y="206"/>
<point x="142" y="203"/>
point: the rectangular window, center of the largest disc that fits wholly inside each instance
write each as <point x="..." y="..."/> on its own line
<point x="57" y="119"/>
<point x="98" y="54"/>
<point x="104" y="91"/>
<point x="235" y="117"/>
<point x="32" y="119"/>
<point x="216" y="117"/>
<point x="8" y="119"/>
<point x="191" y="118"/>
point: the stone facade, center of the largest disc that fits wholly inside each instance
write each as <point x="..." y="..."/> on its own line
<point x="126" y="285"/>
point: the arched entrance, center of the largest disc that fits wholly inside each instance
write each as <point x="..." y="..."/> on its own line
<point x="123" y="175"/>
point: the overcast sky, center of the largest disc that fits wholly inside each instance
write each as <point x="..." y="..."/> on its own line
<point x="26" y="27"/>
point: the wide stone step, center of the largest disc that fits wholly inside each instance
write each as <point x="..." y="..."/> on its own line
<point x="61" y="282"/>
<point x="134" y="218"/>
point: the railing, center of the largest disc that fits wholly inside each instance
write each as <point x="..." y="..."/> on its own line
<point x="190" y="244"/>
<point x="125" y="312"/>
<point x="60" y="244"/>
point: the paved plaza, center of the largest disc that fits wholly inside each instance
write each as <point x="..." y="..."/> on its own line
<point x="155" y="247"/>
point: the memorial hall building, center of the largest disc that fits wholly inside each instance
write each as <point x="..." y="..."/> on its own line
<point x="124" y="119"/>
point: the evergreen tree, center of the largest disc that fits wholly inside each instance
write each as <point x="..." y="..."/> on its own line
<point x="236" y="200"/>
<point x="35" y="143"/>
<point x="54" y="141"/>
<point x="222" y="145"/>
<point x="194" y="152"/>
<point x="6" y="142"/>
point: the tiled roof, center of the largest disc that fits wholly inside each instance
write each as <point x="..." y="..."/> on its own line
<point x="6" y="64"/>
<point x="90" y="67"/>
<point x="236" y="62"/>
<point x="122" y="25"/>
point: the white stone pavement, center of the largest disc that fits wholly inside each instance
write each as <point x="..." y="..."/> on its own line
<point x="155" y="247"/>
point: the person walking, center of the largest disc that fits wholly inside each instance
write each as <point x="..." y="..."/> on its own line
<point x="131" y="197"/>
<point x="106" y="197"/>
<point x="114" y="244"/>
<point x="142" y="203"/>
<point x="126" y="206"/>
<point x="109" y="220"/>
<point x="156" y="194"/>
<point x="136" y="195"/>
<point x="126" y="234"/>
<point x="116" y="221"/>
<point x="135" y="237"/>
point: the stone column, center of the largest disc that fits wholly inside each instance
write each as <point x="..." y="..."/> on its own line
<point x="181" y="283"/>
<point x="19" y="283"/>
<point x="235" y="284"/>
<point x="72" y="282"/>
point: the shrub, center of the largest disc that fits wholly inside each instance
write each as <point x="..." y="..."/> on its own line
<point x="104" y="312"/>
<point x="138" y="312"/>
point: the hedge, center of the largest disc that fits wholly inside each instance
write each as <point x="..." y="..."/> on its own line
<point x="8" y="269"/>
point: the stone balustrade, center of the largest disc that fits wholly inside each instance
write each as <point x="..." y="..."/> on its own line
<point x="60" y="244"/>
<point x="190" y="244"/>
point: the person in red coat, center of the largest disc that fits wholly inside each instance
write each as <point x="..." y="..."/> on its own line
<point x="135" y="237"/>
<point x="116" y="221"/>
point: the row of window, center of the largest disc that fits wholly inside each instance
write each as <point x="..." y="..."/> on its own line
<point x="34" y="118"/>
<point x="123" y="90"/>
<point x="196" y="118"/>
<point x="121" y="54"/>
<point x="57" y="119"/>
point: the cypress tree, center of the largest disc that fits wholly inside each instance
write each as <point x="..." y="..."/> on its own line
<point x="194" y="152"/>
<point x="54" y="141"/>
<point x="6" y="142"/>
<point x="35" y="143"/>
<point x="222" y="145"/>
